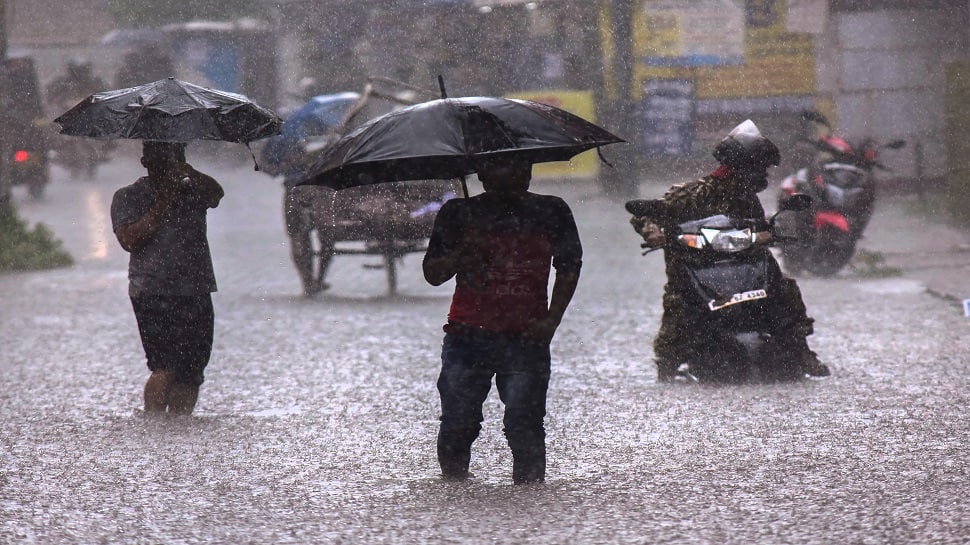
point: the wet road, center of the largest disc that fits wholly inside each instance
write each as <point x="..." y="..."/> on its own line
<point x="317" y="420"/>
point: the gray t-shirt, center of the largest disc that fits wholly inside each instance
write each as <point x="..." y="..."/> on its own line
<point x="177" y="260"/>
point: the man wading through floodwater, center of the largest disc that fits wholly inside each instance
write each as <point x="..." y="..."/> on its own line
<point x="500" y="246"/>
<point x="161" y="220"/>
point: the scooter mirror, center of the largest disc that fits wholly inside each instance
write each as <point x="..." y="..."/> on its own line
<point x="653" y="208"/>
<point x="796" y="203"/>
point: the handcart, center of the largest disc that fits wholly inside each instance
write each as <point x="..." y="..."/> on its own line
<point x="387" y="220"/>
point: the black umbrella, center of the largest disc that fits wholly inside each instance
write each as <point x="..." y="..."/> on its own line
<point x="170" y="110"/>
<point x="449" y="137"/>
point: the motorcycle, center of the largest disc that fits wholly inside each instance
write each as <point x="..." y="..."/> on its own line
<point x="842" y="185"/>
<point x="728" y="288"/>
<point x="22" y="117"/>
<point x="27" y="157"/>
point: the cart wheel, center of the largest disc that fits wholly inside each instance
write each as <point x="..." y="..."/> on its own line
<point x="35" y="187"/>
<point x="390" y="264"/>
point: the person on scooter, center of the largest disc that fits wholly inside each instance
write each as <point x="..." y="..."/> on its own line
<point x="74" y="85"/>
<point x="731" y="189"/>
<point x="80" y="156"/>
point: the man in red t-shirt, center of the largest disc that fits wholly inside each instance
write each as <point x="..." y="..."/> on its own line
<point x="500" y="247"/>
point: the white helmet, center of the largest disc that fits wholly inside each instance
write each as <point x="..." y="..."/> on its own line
<point x="745" y="147"/>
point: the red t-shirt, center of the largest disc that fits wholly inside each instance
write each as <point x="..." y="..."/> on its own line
<point x="518" y="242"/>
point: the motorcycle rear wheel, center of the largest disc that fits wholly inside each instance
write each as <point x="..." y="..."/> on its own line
<point x="832" y="250"/>
<point x="793" y="257"/>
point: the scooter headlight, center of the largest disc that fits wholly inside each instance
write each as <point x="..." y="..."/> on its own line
<point x="734" y="240"/>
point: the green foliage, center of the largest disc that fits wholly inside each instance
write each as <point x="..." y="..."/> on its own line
<point x="147" y="13"/>
<point x="23" y="249"/>
<point x="869" y="264"/>
<point x="930" y="207"/>
<point x="941" y="209"/>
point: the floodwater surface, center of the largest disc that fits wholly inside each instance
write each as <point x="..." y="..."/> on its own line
<point x="317" y="420"/>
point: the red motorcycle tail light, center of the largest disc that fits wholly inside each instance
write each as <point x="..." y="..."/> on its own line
<point x="838" y="143"/>
<point x="20" y="156"/>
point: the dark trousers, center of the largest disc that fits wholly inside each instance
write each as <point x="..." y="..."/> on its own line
<point x="521" y="372"/>
<point x="176" y="332"/>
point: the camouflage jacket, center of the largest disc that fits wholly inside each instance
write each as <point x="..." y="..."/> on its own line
<point x="716" y="193"/>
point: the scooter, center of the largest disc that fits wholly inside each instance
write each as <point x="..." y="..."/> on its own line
<point x="728" y="283"/>
<point x="843" y="188"/>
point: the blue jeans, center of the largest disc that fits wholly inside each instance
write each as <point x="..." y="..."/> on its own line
<point x="521" y="372"/>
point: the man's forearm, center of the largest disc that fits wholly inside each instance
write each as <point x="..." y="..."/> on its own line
<point x="438" y="270"/>
<point x="134" y="235"/>
<point x="562" y="294"/>
<point x="211" y="191"/>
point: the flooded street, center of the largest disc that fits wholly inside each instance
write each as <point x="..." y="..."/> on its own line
<point x="317" y="420"/>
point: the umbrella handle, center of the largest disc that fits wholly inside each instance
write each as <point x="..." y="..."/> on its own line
<point x="603" y="159"/>
<point x="444" y="94"/>
<point x="255" y="163"/>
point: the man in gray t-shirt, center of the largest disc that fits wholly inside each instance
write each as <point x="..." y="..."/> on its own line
<point x="161" y="220"/>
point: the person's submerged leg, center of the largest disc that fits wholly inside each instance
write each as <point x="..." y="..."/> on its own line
<point x="152" y="314"/>
<point x="324" y="257"/>
<point x="522" y="385"/>
<point x="179" y="352"/>
<point x="670" y="346"/>
<point x="182" y="398"/>
<point x="298" y="228"/>
<point x="157" y="389"/>
<point x="463" y="386"/>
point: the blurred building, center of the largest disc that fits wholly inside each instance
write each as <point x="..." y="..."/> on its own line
<point x="882" y="72"/>
<point x="55" y="31"/>
<point x="477" y="47"/>
<point x="670" y="76"/>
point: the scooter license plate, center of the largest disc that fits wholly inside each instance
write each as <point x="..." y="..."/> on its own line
<point x="717" y="304"/>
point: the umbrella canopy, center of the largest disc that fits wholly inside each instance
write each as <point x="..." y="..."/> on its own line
<point x="319" y="115"/>
<point x="448" y="138"/>
<point x="170" y="110"/>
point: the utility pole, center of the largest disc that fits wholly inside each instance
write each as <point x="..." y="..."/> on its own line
<point x="621" y="181"/>
<point x="3" y="29"/>
<point x="6" y="190"/>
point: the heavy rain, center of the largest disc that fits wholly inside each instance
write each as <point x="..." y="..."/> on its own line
<point x="318" y="417"/>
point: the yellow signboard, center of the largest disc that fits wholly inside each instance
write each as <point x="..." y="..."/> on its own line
<point x="776" y="62"/>
<point x="689" y="32"/>
<point x="578" y="103"/>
